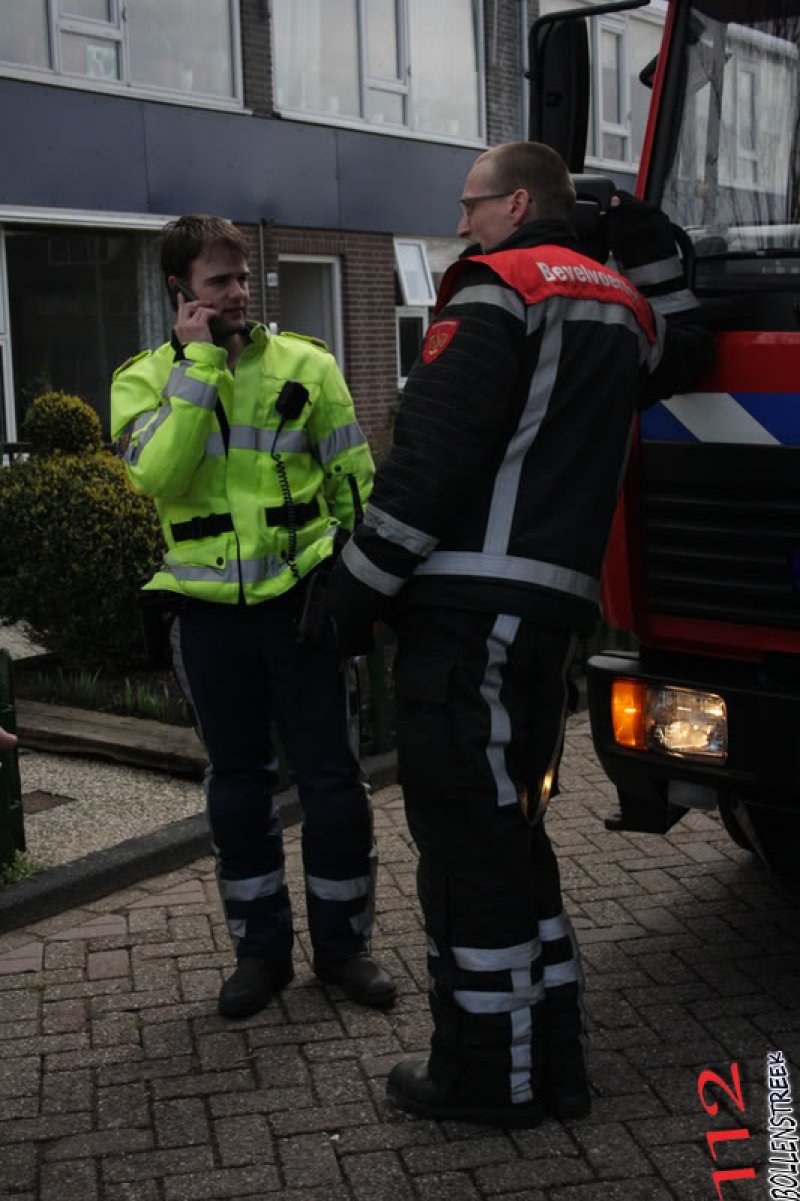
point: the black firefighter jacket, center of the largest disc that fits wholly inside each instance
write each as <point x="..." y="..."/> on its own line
<point x="512" y="437"/>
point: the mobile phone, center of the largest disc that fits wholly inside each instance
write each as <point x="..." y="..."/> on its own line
<point x="215" y="328"/>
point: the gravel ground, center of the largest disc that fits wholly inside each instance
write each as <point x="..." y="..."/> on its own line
<point x="107" y="804"/>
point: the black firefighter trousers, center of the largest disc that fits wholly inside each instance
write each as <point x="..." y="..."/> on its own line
<point x="243" y="672"/>
<point x="481" y="701"/>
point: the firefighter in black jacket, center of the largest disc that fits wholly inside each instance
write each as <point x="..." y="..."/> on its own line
<point x="483" y="542"/>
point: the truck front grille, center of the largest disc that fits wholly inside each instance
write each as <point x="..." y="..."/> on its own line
<point x="721" y="529"/>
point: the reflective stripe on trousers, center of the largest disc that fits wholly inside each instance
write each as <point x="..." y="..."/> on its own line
<point x="243" y="671"/>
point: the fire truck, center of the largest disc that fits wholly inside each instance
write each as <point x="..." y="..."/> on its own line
<point x="703" y="563"/>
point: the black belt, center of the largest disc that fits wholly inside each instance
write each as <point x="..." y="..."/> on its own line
<point x="222" y="523"/>
<point x="295" y="514"/>
<point x="202" y="527"/>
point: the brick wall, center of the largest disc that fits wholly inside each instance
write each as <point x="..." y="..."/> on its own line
<point x="505" y="56"/>
<point x="368" y="310"/>
<point x="256" y="56"/>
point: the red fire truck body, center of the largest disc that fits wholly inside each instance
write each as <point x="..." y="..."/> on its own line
<point x="703" y="564"/>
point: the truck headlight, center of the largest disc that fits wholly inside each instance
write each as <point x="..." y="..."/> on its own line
<point x="675" y="721"/>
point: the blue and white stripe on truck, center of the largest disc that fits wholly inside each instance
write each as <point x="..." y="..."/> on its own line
<point x="756" y="418"/>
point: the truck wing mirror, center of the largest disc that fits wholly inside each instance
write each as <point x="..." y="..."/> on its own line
<point x="558" y="53"/>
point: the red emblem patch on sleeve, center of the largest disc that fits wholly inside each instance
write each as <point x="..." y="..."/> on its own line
<point x="438" y="338"/>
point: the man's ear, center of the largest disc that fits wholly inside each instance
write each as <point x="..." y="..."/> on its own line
<point x="523" y="207"/>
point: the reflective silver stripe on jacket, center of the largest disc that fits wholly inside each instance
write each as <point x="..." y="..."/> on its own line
<point x="502" y="298"/>
<point x="675" y="302"/>
<point x="365" y="570"/>
<point x="396" y="531"/>
<point x="185" y="387"/>
<point x="508" y="567"/>
<point x="655" y="273"/>
<point x="496" y="959"/>
<point x="507" y="480"/>
<point x="253" y="571"/>
<point x="251" y="437"/>
<point x="253" y="887"/>
<point x="339" y="890"/>
<point x="148" y="423"/>
<point x="346" y="437"/>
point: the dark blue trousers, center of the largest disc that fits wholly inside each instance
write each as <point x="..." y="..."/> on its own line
<point x="242" y="670"/>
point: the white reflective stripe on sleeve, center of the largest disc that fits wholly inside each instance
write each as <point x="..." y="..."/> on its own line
<point x="495" y="294"/>
<point x="396" y="531"/>
<point x="145" y="426"/>
<point x="338" y="890"/>
<point x="520" y="1088"/>
<point x="509" y="567"/>
<point x="675" y="302"/>
<point x="364" y="570"/>
<point x="345" y="438"/>
<point x="253" y="887"/>
<point x="185" y="387"/>
<point x="655" y="273"/>
<point x="497" y="959"/>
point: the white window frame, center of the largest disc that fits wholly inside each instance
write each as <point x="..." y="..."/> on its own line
<point x="115" y="31"/>
<point x="410" y="298"/>
<point x="402" y="86"/>
<point x="618" y="28"/>
<point x="334" y="261"/>
<point x="408" y="310"/>
<point x="9" y="413"/>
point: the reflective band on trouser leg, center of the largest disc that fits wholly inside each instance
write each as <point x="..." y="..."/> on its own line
<point x="565" y="1014"/>
<point x="246" y="832"/>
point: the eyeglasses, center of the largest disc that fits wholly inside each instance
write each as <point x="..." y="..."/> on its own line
<point x="468" y="202"/>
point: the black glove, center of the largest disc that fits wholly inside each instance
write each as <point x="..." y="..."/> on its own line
<point x="640" y="238"/>
<point x="352" y="606"/>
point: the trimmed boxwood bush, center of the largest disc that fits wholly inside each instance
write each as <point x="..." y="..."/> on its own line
<point x="58" y="421"/>
<point x="76" y="540"/>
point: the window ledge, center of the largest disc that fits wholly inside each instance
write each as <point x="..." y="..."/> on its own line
<point x="392" y="131"/>
<point x="106" y="88"/>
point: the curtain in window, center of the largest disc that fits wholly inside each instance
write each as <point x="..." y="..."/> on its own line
<point x="444" y="66"/>
<point x="316" y="56"/>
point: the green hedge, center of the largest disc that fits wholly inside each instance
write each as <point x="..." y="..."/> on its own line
<point x="77" y="540"/>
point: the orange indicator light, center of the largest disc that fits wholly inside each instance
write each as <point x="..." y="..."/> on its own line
<point x="627" y="713"/>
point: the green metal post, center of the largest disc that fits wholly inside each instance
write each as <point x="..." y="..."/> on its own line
<point x="12" y="830"/>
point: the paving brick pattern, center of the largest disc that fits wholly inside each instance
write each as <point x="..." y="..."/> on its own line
<point x="118" y="1081"/>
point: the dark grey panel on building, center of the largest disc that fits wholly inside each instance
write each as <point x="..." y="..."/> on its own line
<point x="141" y="156"/>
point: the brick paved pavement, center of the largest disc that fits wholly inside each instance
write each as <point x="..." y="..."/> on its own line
<point x="118" y="1082"/>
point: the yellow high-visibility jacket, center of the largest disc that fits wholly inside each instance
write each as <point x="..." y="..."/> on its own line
<point x="246" y="520"/>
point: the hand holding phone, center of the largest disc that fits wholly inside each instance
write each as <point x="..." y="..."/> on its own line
<point x="195" y="322"/>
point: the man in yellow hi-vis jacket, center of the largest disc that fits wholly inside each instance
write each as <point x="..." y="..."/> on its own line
<point x="248" y="443"/>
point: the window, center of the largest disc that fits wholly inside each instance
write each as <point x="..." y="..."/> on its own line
<point x="619" y="47"/>
<point x="412" y="321"/>
<point x="310" y="293"/>
<point x="183" y="48"/>
<point x="81" y="301"/>
<point x="7" y="423"/>
<point x="402" y="65"/>
<point x="411" y="260"/>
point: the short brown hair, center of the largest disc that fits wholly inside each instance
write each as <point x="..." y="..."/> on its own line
<point x="539" y="170"/>
<point x="183" y="240"/>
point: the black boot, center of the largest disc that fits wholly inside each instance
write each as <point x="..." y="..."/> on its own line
<point x="566" y="1092"/>
<point x="361" y="978"/>
<point x="252" y="986"/>
<point x="409" y="1087"/>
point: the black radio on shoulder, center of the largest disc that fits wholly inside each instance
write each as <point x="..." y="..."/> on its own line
<point x="292" y="398"/>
